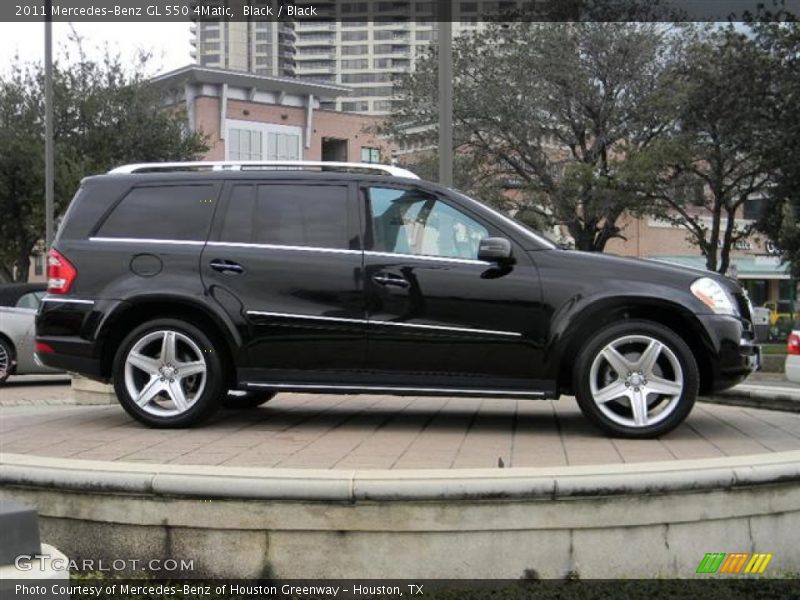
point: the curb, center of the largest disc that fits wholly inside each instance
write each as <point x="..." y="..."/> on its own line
<point x="401" y="485"/>
<point x="756" y="399"/>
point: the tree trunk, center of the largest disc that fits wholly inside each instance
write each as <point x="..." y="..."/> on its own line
<point x="23" y="263"/>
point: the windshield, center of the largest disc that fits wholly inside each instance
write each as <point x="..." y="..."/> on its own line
<point x="540" y="238"/>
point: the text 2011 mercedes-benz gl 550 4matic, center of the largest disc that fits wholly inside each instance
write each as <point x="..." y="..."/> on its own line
<point x="190" y="286"/>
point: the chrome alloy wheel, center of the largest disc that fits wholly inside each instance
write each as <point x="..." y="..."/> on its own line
<point x="636" y="381"/>
<point x="5" y="361"/>
<point x="165" y="373"/>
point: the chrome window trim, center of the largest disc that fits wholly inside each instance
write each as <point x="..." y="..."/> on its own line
<point x="426" y="257"/>
<point x="147" y="241"/>
<point x="379" y="388"/>
<point x="389" y="323"/>
<point x="67" y="300"/>
<point x="282" y="247"/>
<point x="462" y="261"/>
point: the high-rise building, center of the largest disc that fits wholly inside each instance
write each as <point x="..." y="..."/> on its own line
<point x="262" y="47"/>
<point x="364" y="45"/>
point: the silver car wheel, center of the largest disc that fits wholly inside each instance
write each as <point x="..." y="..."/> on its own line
<point x="165" y="373"/>
<point x="5" y="361"/>
<point x="636" y="381"/>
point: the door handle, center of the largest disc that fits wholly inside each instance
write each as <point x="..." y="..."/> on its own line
<point x="226" y="266"/>
<point x="390" y="280"/>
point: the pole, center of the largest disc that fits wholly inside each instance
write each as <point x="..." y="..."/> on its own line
<point x="446" y="95"/>
<point x="48" y="124"/>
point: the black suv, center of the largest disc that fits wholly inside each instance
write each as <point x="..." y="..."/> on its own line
<point x="191" y="286"/>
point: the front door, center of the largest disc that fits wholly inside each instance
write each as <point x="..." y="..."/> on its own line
<point x="284" y="260"/>
<point x="437" y="315"/>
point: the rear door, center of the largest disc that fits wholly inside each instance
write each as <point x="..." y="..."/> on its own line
<point x="285" y="261"/>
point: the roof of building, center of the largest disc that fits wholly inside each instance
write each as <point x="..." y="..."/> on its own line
<point x="247" y="80"/>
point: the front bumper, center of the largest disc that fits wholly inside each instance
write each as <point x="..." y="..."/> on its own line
<point x="735" y="353"/>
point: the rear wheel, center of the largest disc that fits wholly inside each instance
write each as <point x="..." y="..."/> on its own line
<point x="636" y="379"/>
<point x="167" y="373"/>
<point x="6" y="360"/>
<point x="242" y="400"/>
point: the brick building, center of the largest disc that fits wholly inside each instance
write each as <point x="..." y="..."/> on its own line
<point x="256" y="117"/>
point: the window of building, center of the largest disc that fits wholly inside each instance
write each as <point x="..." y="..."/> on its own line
<point x="411" y="222"/>
<point x="170" y="212"/>
<point x="209" y="59"/>
<point x="424" y="36"/>
<point x="354" y="36"/>
<point x="357" y="106"/>
<point x="289" y="215"/>
<point x="211" y="47"/>
<point x="355" y="50"/>
<point x="754" y="208"/>
<point x="355" y="63"/>
<point x="249" y="140"/>
<point x="262" y="48"/>
<point x="370" y="155"/>
<point x="244" y="144"/>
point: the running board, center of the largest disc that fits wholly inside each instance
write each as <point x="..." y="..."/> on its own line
<point x="395" y="390"/>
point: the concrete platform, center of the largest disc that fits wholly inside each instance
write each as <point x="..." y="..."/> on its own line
<point x="383" y="432"/>
<point x="370" y="486"/>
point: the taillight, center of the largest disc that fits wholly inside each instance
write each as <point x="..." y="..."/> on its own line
<point x="42" y="348"/>
<point x="60" y="273"/>
<point x="793" y="344"/>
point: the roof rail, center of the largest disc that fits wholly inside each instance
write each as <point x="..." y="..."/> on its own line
<point x="255" y="165"/>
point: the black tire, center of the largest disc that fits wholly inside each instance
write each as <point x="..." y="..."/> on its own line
<point x="246" y="400"/>
<point x="679" y="405"/>
<point x="7" y="356"/>
<point x="201" y="406"/>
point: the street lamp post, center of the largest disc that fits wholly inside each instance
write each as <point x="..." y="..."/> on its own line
<point x="48" y="123"/>
<point x="445" y="94"/>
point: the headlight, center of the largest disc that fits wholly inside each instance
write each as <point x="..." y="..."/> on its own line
<point x="714" y="296"/>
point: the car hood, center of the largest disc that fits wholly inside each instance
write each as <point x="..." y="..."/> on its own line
<point x="646" y="270"/>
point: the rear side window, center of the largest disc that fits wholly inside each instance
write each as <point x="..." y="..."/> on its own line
<point x="289" y="215"/>
<point x="169" y="212"/>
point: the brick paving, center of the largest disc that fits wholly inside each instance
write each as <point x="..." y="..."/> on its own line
<point x="377" y="432"/>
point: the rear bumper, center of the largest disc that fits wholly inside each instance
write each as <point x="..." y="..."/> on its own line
<point x="69" y="326"/>
<point x="736" y="353"/>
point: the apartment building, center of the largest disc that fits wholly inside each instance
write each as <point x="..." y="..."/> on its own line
<point x="261" y="47"/>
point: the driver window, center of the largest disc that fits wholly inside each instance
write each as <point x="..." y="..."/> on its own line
<point x="412" y="222"/>
<point x="30" y="300"/>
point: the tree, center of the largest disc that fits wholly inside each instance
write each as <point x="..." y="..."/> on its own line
<point x="104" y="115"/>
<point x="711" y="163"/>
<point x="557" y="109"/>
<point x="780" y="142"/>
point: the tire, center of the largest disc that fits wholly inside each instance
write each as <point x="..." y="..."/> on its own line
<point x="176" y="371"/>
<point x="6" y="360"/>
<point x="246" y="400"/>
<point x="653" y="395"/>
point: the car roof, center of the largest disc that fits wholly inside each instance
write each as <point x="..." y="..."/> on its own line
<point x="10" y="293"/>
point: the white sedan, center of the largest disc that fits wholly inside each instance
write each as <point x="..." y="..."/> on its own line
<point x="793" y="355"/>
<point x="18" y="306"/>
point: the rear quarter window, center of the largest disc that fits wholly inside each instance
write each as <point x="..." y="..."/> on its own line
<point x="165" y="212"/>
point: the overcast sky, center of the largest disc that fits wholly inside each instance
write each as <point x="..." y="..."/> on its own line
<point x="168" y="41"/>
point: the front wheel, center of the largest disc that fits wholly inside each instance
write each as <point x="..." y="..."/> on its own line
<point x="636" y="379"/>
<point x="167" y="373"/>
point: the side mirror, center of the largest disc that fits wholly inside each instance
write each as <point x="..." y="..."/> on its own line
<point x="495" y="249"/>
